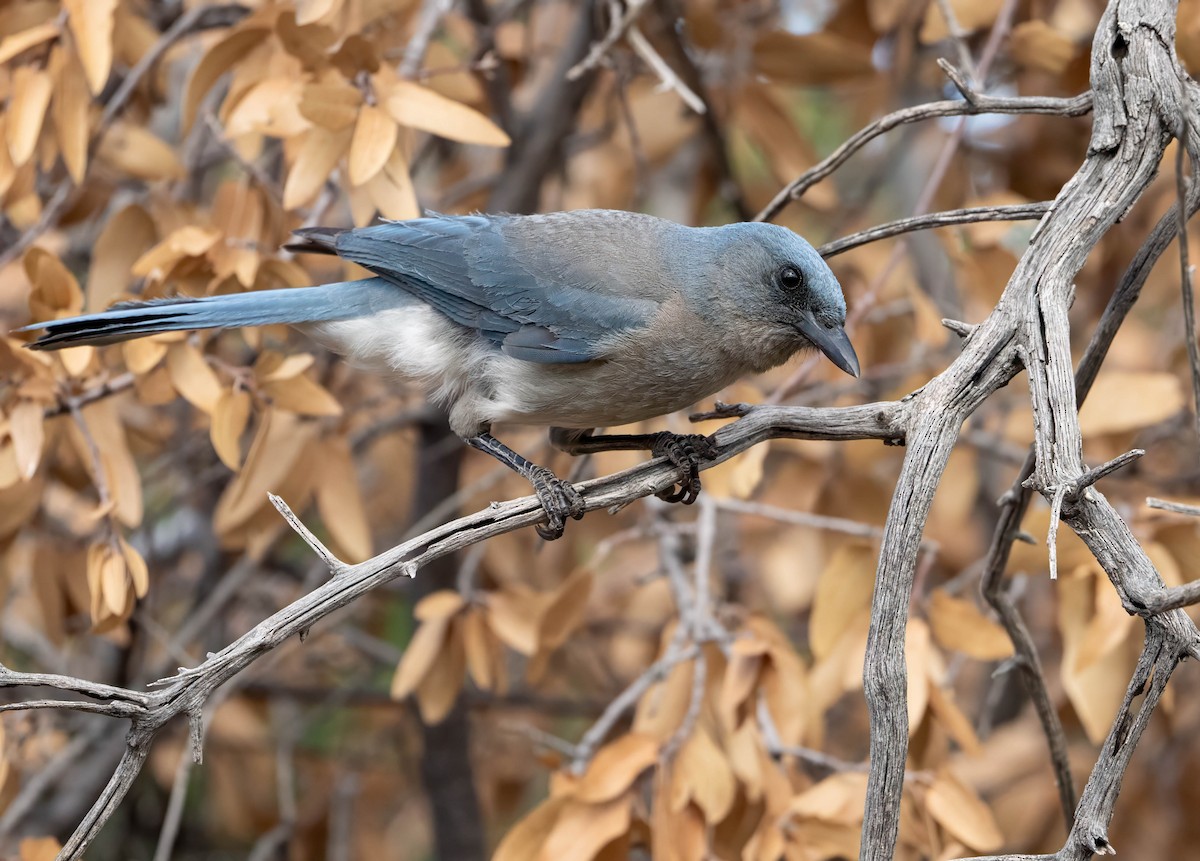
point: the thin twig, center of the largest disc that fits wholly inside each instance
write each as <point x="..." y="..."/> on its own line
<point x="967" y="215"/>
<point x="1076" y="106"/>
<point x="1185" y="271"/>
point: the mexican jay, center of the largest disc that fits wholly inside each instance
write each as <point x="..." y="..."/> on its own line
<point x="575" y="320"/>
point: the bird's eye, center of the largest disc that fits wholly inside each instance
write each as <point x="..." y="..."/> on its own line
<point x="790" y="277"/>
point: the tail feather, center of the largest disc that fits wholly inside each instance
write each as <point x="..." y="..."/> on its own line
<point x="315" y="240"/>
<point x="127" y="320"/>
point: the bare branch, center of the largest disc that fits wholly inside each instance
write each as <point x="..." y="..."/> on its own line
<point x="968" y="215"/>
<point x="1072" y="107"/>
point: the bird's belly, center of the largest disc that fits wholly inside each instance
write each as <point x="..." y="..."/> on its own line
<point x="598" y="394"/>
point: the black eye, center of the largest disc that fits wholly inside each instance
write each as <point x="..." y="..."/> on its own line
<point x="790" y="277"/>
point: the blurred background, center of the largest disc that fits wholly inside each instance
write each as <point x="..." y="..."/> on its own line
<point x="157" y="148"/>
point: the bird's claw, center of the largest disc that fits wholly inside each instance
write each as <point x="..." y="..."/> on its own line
<point x="559" y="499"/>
<point x="684" y="451"/>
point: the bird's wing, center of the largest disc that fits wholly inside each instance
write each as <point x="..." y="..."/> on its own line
<point x="535" y="301"/>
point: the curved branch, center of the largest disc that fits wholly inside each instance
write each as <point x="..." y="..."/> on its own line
<point x="981" y="104"/>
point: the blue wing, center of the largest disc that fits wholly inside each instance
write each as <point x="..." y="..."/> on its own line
<point x="528" y="288"/>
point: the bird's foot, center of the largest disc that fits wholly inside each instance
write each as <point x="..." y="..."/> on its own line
<point x="685" y="451"/>
<point x="559" y="499"/>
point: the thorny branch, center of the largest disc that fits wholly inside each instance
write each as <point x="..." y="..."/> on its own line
<point x="1028" y="330"/>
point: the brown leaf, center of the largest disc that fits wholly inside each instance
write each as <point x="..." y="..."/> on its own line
<point x="485" y="658"/>
<point x="25" y="39"/>
<point x="525" y="839"/>
<point x="971" y="15"/>
<point x="144" y="354"/>
<point x="125" y="236"/>
<point x="582" y="830"/>
<point x="419" y="656"/>
<point x="139" y="575"/>
<point x="279" y="442"/>
<point x="273" y="367"/>
<point x="616" y="766"/>
<point x="441" y="604"/>
<point x="421" y="108"/>
<point x="843" y="593"/>
<point x="92" y="26"/>
<point x="374" y="138"/>
<point x="38" y="848"/>
<point x="514" y="616"/>
<point x="26" y="427"/>
<point x="702" y="774"/>
<point x="114" y="582"/>
<point x="811" y="59"/>
<point x="319" y="154"/>
<point x="838" y="798"/>
<point x="958" y="625"/>
<point x="391" y="190"/>
<point x="565" y="610"/>
<point x="339" y="500"/>
<point x="438" y="690"/>
<point x="124" y="481"/>
<point x="31" y="90"/>
<point x="311" y="11"/>
<point x="188" y="241"/>
<point x="71" y="105"/>
<point x="55" y="290"/>
<point x="192" y="377"/>
<point x="961" y="812"/>
<point x="1128" y="400"/>
<point x="1036" y="45"/>
<point x="229" y="416"/>
<point x="951" y="717"/>
<point x="302" y="395"/>
<point x="135" y="150"/>
<point x="219" y="60"/>
<point x="331" y="102"/>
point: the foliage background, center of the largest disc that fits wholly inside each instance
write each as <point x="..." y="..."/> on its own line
<point x="148" y="149"/>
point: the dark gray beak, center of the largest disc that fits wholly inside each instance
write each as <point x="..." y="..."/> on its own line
<point x="831" y="341"/>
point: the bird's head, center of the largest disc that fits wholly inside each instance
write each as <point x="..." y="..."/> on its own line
<point x="786" y="285"/>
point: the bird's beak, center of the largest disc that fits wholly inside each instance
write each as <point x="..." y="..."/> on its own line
<point x="830" y="341"/>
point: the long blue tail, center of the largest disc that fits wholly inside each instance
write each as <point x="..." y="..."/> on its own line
<point x="342" y="300"/>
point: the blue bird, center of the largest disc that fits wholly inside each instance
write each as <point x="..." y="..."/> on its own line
<point x="572" y="320"/>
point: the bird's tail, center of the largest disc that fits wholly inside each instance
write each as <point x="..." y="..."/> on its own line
<point x="338" y="301"/>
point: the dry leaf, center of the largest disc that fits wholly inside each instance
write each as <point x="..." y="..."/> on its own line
<point x="134" y="150"/>
<point x="375" y="136"/>
<point x="582" y="830"/>
<point x="1125" y="401"/>
<point x="843" y="593"/>
<point x="1037" y="45"/>
<point x="419" y="656"/>
<point x="422" y="108"/>
<point x="702" y="774"/>
<point x="961" y="812"/>
<point x="192" y="377"/>
<point x="319" y="154"/>
<point x="960" y="626"/>
<point x="565" y="610"/>
<point x="71" y="105"/>
<point x="31" y="90"/>
<point x="616" y="766"/>
<point x="219" y="60"/>
<point x="438" y="690"/>
<point x="525" y="839"/>
<point x="25" y="39"/>
<point x="339" y="500"/>
<point x="229" y="416"/>
<point x="91" y="24"/>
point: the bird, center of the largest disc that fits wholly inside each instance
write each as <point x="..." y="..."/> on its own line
<point x="571" y="320"/>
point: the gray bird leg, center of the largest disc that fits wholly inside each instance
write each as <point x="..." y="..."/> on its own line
<point x="684" y="451"/>
<point x="559" y="498"/>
